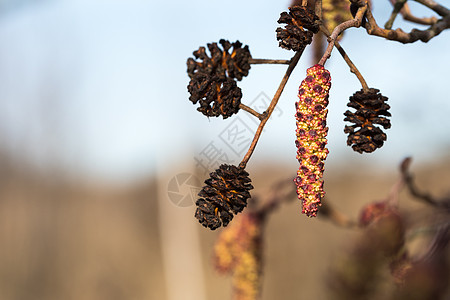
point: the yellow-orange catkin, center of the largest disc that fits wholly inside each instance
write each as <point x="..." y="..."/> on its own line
<point x="311" y="140"/>
<point x="238" y="251"/>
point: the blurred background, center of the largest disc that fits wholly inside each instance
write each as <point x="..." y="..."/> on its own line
<point x="102" y="153"/>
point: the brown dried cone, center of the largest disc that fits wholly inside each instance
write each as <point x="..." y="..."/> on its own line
<point x="217" y="97"/>
<point x="213" y="78"/>
<point x="225" y="194"/>
<point x="221" y="62"/>
<point x="294" y="36"/>
<point x="370" y="109"/>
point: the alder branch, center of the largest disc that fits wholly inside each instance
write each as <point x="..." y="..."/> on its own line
<point x="269" y="111"/>
<point x="251" y="111"/>
<point x="398" y="6"/>
<point x="436" y="7"/>
<point x="356" y="22"/>
<point x="394" y="193"/>
<point x="318" y="8"/>
<point x="347" y="59"/>
<point x="260" y="61"/>
<point x="438" y="245"/>
<point x="284" y="192"/>
<point x="399" y="35"/>
<point x="408" y="16"/>
<point x="423" y="196"/>
<point x="327" y="211"/>
<point x="278" y="195"/>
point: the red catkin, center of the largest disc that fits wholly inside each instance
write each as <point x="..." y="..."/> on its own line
<point x="311" y="140"/>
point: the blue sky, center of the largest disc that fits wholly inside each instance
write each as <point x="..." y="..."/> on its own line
<point x="100" y="86"/>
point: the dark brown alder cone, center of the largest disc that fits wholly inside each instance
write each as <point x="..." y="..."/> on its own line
<point x="213" y="77"/>
<point x="236" y="63"/>
<point x="224" y="195"/>
<point x="221" y="62"/>
<point x="370" y="109"/>
<point x="217" y="97"/>
<point x="294" y="36"/>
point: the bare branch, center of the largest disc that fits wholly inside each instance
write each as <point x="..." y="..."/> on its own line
<point x="271" y="107"/>
<point x="318" y="8"/>
<point x="356" y="22"/>
<point x="400" y="36"/>
<point x="278" y="195"/>
<point x="398" y="6"/>
<point x="439" y="9"/>
<point x="408" y="16"/>
<point x="259" y="61"/>
<point x="251" y="111"/>
<point x="347" y="59"/>
<point x="423" y="196"/>
<point x="327" y="211"/>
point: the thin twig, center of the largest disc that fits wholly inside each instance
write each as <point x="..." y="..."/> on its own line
<point x="251" y="111"/>
<point x="347" y="59"/>
<point x="437" y="8"/>
<point x="398" y="5"/>
<point x="394" y="193"/>
<point x="408" y="16"/>
<point x="277" y="197"/>
<point x="438" y="245"/>
<point x="327" y="211"/>
<point x="279" y="194"/>
<point x="399" y="35"/>
<point x="271" y="107"/>
<point x="356" y="22"/>
<point x="318" y="9"/>
<point x="352" y="66"/>
<point x="259" y="61"/>
<point x="427" y="198"/>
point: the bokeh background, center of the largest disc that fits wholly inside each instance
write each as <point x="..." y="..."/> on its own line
<point x="100" y="147"/>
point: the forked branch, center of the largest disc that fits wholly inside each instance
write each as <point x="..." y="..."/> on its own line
<point x="356" y="22"/>
<point x="269" y="111"/>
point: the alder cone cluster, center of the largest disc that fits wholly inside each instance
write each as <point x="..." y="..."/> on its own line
<point x="371" y="108"/>
<point x="225" y="194"/>
<point x="213" y="77"/>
